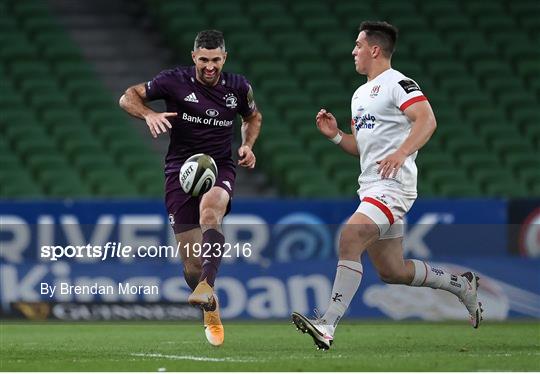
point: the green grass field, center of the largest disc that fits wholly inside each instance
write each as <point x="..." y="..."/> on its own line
<point x="275" y="346"/>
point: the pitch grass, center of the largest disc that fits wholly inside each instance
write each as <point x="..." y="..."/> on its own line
<point x="269" y="346"/>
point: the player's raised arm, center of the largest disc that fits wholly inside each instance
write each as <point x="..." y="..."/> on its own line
<point x="251" y="127"/>
<point x="133" y="102"/>
<point x="327" y="125"/>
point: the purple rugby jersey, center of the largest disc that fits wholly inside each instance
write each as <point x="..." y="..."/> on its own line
<point x="205" y="114"/>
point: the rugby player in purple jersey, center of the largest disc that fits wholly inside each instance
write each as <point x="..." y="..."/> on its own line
<point x="202" y="103"/>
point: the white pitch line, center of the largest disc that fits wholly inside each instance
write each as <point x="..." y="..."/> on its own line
<point x="193" y="358"/>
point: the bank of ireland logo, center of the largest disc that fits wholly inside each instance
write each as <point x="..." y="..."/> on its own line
<point x="230" y="101"/>
<point x="212" y="113"/>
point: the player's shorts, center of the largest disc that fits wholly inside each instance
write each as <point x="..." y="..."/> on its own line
<point x="183" y="209"/>
<point x="386" y="204"/>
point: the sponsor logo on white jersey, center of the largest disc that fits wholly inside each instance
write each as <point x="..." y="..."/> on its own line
<point x="375" y="91"/>
<point x="191" y="98"/>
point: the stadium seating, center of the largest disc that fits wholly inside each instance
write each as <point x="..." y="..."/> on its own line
<point x="482" y="83"/>
<point x="63" y="134"/>
<point x="474" y="60"/>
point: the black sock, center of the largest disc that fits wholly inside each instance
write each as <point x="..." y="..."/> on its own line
<point x="210" y="264"/>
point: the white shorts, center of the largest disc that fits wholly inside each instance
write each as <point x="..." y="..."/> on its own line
<point x="385" y="203"/>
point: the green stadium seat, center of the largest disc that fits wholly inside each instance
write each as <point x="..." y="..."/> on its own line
<point x="494" y="130"/>
<point x="29" y="8"/>
<point x="52" y="37"/>
<point x="88" y="102"/>
<point x="271" y="147"/>
<point x="506" y="146"/>
<point x="40" y="24"/>
<point x="16" y="51"/>
<point x="110" y="183"/>
<point x="140" y="159"/>
<point x="333" y="161"/>
<point x="506" y="188"/>
<point x="43" y="101"/>
<point x="434" y="161"/>
<point x="319" y="22"/>
<point x="300" y="118"/>
<point x="434" y="8"/>
<point x="516" y="49"/>
<point x="495" y="22"/>
<point x="268" y="25"/>
<point x="447" y="23"/>
<point x="45" y="162"/>
<point x="37" y="86"/>
<point x="347" y="180"/>
<point x="459" y="146"/>
<point x="528" y="68"/>
<point x="262" y="9"/>
<point x="530" y="176"/>
<point x="313" y="72"/>
<point x="530" y="23"/>
<point x="233" y="23"/>
<point x="59" y="117"/>
<point x="277" y="86"/>
<point x="479" y="161"/>
<point x="439" y="178"/>
<point x="498" y="86"/>
<point x="470" y="101"/>
<point x="344" y="9"/>
<point x="485" y="69"/>
<point x="71" y="70"/>
<point x="458" y="189"/>
<point x="105" y="118"/>
<point x="76" y="87"/>
<point x="225" y="9"/>
<point x="27" y="70"/>
<point x="472" y="52"/>
<point x="440" y="69"/>
<point x="283" y="162"/>
<point x="287" y="100"/>
<point x="88" y="160"/>
<point x="30" y="147"/>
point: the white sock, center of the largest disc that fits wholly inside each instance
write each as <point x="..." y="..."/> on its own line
<point x="426" y="275"/>
<point x="347" y="281"/>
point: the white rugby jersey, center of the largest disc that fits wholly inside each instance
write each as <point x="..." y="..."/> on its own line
<point x="381" y="126"/>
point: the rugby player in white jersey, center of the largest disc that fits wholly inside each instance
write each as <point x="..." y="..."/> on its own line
<point x="391" y="121"/>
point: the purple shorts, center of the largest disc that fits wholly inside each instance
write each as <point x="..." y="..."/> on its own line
<point x="183" y="209"/>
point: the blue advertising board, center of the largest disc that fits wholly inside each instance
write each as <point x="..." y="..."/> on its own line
<point x="290" y="265"/>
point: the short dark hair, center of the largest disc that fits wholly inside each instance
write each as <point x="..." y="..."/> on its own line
<point x="381" y="33"/>
<point x="209" y="39"/>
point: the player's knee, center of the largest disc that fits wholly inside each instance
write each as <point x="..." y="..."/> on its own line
<point x="392" y="276"/>
<point x="209" y="216"/>
<point x="353" y="239"/>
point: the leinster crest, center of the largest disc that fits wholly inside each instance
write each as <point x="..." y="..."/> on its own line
<point x="230" y="101"/>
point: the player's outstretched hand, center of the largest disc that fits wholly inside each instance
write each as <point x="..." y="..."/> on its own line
<point x="158" y="122"/>
<point x="326" y="123"/>
<point x="247" y="157"/>
<point x="391" y="164"/>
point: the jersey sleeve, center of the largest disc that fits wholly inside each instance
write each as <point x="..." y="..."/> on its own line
<point x="406" y="92"/>
<point x="247" y="101"/>
<point x="159" y="86"/>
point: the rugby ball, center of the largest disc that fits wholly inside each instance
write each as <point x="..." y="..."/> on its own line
<point x="198" y="174"/>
